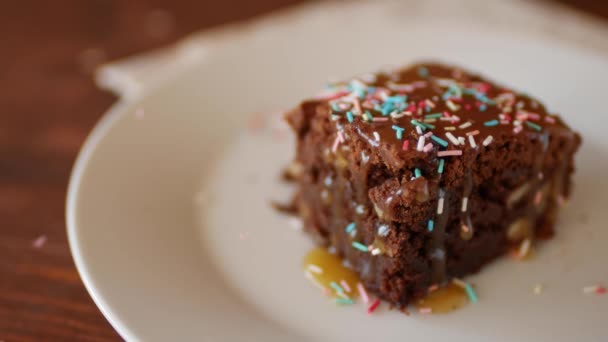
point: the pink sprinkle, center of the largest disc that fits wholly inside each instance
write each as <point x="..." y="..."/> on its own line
<point x="363" y="293"/>
<point x="373" y="306"/>
<point x="428" y="135"/>
<point x="345" y="285"/>
<point x="517" y="129"/>
<point x="600" y="290"/>
<point x="406" y="145"/>
<point x="380" y="119"/>
<point x="333" y="96"/>
<point x="549" y="119"/>
<point x="475" y="132"/>
<point x="447" y="114"/>
<point x="538" y="197"/>
<point x="39" y="242"/>
<point x="341" y="137"/>
<point x="428" y="147"/>
<point x="336" y="142"/>
<point x="449" y="153"/>
<point x="425" y="311"/>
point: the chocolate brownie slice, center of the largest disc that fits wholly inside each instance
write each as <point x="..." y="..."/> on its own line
<point x="423" y="174"/>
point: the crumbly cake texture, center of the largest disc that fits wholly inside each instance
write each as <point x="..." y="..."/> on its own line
<point x="424" y="174"/>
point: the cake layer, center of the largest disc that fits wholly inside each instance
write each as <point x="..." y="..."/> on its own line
<point x="423" y="174"/>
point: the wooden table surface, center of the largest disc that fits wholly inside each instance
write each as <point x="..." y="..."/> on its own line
<point x="48" y="105"/>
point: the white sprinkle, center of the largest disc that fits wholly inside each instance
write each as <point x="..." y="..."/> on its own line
<point x="440" y="206"/>
<point x="376" y="136"/>
<point x="472" y="141"/>
<point x="328" y="181"/>
<point x="420" y="143"/>
<point x="452" y="138"/>
<point x="376" y="251"/>
<point x="383" y="230"/>
<point x="315" y="269"/>
<point x="314" y="281"/>
<point x="397" y="115"/>
<point x="461" y="140"/>
<point x="465" y="202"/>
<point x="419" y="130"/>
<point x="360" y="209"/>
<point x="364" y="157"/>
<point x="438" y="254"/>
<point x="453" y="107"/>
<point x="389" y="199"/>
<point x="488" y="140"/>
<point x="590" y="289"/>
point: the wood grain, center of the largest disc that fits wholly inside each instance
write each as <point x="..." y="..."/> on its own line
<point x="48" y="106"/>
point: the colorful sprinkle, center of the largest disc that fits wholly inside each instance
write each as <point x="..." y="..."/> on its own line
<point x="351" y="227"/>
<point x="420" y="143"/>
<point x="349" y="116"/>
<point x="359" y="246"/>
<point x="398" y="131"/>
<point x="472" y="141"/>
<point x="376" y="136"/>
<point x="452" y="138"/>
<point x="475" y="132"/>
<point x="363" y="293"/>
<point x="534" y="126"/>
<point x="344" y="301"/>
<point x="345" y="285"/>
<point x="440" y="206"/>
<point x="425" y="311"/>
<point x="373" y="306"/>
<point x="491" y="123"/>
<point x="427" y="148"/>
<point x="449" y="153"/>
<point x="488" y="140"/>
<point x="406" y="145"/>
<point x="433" y="116"/>
<point x="441" y="165"/>
<point x="315" y="269"/>
<point x="430" y="225"/>
<point x="383" y="230"/>
<point x="465" y="125"/>
<point x="418" y="124"/>
<point x="465" y="202"/>
<point x="440" y="141"/>
<point x="336" y="287"/>
<point x="417" y="173"/>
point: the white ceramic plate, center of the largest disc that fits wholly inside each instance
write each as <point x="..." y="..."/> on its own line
<point x="170" y="224"/>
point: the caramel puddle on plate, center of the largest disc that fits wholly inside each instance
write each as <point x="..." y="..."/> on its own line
<point x="443" y="300"/>
<point x="327" y="272"/>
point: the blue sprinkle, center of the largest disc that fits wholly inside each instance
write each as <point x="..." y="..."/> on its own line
<point x="351" y="227"/>
<point x="534" y="126"/>
<point x="430" y="226"/>
<point x="396" y="99"/>
<point x="423" y="72"/>
<point x="335" y="107"/>
<point x="417" y="172"/>
<point x="483" y="107"/>
<point x="419" y="124"/>
<point x="344" y="301"/>
<point x="360" y="246"/>
<point x="439" y="141"/>
<point x="336" y="287"/>
<point x="491" y="123"/>
<point x="428" y="125"/>
<point x="441" y="164"/>
<point x="387" y="108"/>
<point x="398" y="131"/>
<point x="433" y="116"/>
<point x="349" y="116"/>
<point x="471" y="293"/>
